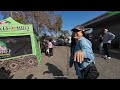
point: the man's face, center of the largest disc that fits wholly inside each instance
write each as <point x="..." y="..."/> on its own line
<point x="77" y="34"/>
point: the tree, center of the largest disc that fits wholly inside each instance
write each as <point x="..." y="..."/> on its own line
<point x="61" y="37"/>
<point x="65" y="33"/>
<point x="58" y="24"/>
<point x="39" y="19"/>
<point x="19" y="16"/>
<point x="19" y="19"/>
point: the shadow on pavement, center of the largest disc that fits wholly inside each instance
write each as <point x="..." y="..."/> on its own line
<point x="57" y="73"/>
<point x="30" y="76"/>
<point x="5" y="74"/>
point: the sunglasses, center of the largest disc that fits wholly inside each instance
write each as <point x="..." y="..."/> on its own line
<point x="75" y="30"/>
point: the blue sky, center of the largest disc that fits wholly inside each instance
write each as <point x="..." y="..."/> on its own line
<point x="73" y="18"/>
<point x="1" y="17"/>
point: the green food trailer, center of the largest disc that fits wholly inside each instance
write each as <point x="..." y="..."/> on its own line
<point x="19" y="45"/>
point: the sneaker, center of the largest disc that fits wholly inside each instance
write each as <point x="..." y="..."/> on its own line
<point x="51" y="57"/>
<point x="105" y="56"/>
<point x="109" y="57"/>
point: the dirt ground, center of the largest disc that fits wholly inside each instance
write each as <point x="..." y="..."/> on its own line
<point x="50" y="68"/>
<point x="57" y="68"/>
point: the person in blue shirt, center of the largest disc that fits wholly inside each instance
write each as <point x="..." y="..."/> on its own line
<point x="107" y="39"/>
<point x="82" y="55"/>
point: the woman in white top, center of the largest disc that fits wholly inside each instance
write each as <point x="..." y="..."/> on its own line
<point x="50" y="47"/>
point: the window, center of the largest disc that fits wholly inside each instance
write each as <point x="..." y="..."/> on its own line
<point x="12" y="46"/>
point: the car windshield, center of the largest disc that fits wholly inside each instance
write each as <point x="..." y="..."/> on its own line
<point x="61" y="40"/>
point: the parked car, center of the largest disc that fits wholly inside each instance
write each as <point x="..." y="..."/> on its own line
<point x="54" y="42"/>
<point x="60" y="42"/>
<point x="68" y="41"/>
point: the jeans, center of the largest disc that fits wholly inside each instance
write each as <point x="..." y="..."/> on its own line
<point x="90" y="72"/>
<point x="50" y="51"/>
<point x="106" y="47"/>
<point x="101" y="48"/>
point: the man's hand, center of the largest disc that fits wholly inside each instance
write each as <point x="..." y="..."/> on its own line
<point x="79" y="56"/>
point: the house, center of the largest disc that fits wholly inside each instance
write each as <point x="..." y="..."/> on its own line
<point x="109" y="20"/>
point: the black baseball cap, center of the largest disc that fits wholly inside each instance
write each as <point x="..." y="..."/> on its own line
<point x="78" y="28"/>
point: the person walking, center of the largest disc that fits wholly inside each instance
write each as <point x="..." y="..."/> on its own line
<point x="101" y="44"/>
<point x="82" y="55"/>
<point x="107" y="39"/>
<point x="50" y="47"/>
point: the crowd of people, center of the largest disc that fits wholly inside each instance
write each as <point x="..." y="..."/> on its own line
<point x="47" y="44"/>
<point x="82" y="55"/>
<point x="47" y="47"/>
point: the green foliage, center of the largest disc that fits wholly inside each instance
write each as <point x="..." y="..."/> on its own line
<point x="18" y="19"/>
<point x="61" y="36"/>
<point x="65" y="33"/>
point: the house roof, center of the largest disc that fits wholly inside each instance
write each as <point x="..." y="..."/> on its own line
<point x="100" y="18"/>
